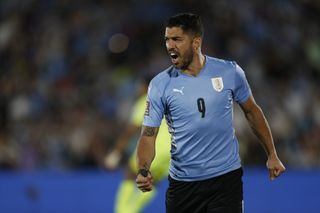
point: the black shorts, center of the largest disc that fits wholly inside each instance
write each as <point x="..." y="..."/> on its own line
<point x="222" y="194"/>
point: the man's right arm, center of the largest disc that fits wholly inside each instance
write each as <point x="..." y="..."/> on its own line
<point x="145" y="155"/>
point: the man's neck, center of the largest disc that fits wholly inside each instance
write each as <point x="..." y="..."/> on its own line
<point x="196" y="65"/>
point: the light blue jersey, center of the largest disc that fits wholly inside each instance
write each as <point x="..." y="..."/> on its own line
<point x="199" y="113"/>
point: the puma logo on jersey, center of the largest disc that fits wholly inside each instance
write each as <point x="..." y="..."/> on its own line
<point x="179" y="90"/>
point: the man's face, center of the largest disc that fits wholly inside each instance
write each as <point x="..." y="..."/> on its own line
<point x="179" y="47"/>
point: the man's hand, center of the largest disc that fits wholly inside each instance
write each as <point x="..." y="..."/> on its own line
<point x="144" y="183"/>
<point x="275" y="167"/>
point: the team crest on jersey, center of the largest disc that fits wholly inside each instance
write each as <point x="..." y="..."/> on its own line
<point x="217" y="84"/>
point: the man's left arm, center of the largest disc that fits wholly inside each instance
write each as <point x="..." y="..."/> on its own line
<point x="261" y="129"/>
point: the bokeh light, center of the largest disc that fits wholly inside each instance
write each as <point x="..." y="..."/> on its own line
<point x="118" y="43"/>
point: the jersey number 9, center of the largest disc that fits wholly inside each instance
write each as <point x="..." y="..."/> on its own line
<point x="201" y="107"/>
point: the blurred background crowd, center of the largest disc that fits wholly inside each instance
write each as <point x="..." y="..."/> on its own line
<point x="69" y="72"/>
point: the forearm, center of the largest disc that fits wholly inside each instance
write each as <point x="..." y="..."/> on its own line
<point x="146" y="147"/>
<point x="145" y="153"/>
<point x="261" y="129"/>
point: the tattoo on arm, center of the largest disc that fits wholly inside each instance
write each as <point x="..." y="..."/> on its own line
<point x="148" y="131"/>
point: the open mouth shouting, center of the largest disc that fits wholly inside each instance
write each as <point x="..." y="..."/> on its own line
<point x="174" y="57"/>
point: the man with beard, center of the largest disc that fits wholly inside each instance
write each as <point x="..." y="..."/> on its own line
<point x="196" y="97"/>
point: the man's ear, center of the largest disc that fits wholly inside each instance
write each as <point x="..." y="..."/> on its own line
<point x="196" y="43"/>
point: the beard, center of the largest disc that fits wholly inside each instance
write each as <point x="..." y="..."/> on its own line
<point x="186" y="60"/>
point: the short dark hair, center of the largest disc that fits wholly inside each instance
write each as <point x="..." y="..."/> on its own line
<point x="188" y="22"/>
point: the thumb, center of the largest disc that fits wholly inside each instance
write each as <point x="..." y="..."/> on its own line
<point x="272" y="174"/>
<point x="277" y="172"/>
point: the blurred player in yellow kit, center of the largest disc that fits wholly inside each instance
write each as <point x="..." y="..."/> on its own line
<point x="129" y="198"/>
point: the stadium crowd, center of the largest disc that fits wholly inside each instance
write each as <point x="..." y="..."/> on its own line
<point x="69" y="70"/>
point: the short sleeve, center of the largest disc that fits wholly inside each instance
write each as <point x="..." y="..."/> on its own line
<point x="242" y="89"/>
<point x="154" y="107"/>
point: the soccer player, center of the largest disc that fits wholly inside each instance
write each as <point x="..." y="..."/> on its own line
<point x="196" y="97"/>
<point x="128" y="198"/>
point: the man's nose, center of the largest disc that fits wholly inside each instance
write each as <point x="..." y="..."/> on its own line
<point x="170" y="44"/>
